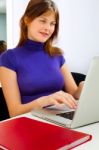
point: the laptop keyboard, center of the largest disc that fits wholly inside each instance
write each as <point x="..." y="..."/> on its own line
<point x="68" y="115"/>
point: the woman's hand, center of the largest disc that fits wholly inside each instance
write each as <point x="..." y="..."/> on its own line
<point x="57" y="99"/>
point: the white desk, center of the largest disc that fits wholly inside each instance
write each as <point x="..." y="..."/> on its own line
<point x="92" y="129"/>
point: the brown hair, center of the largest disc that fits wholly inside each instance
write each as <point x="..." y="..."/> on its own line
<point x="34" y="9"/>
<point x="3" y="46"/>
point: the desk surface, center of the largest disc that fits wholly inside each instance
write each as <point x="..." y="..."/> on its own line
<point x="92" y="129"/>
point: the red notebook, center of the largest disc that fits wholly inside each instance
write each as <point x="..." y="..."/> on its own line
<point x="28" y="134"/>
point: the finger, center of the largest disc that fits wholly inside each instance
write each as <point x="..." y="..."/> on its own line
<point x="72" y="101"/>
<point x="62" y="97"/>
<point x="65" y="100"/>
<point x="69" y="99"/>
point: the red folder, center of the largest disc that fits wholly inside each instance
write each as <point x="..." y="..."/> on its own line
<point x="28" y="134"/>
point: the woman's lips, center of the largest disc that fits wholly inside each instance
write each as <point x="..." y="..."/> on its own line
<point x="44" y="34"/>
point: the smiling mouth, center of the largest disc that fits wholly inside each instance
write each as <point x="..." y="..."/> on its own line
<point x="44" y="34"/>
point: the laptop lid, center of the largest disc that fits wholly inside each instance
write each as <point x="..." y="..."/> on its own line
<point x="88" y="106"/>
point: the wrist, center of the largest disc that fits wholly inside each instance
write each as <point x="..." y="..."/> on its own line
<point x="41" y="102"/>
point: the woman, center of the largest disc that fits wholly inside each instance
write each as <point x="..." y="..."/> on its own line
<point x="34" y="74"/>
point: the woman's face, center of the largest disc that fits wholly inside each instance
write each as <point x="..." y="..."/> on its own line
<point x="42" y="27"/>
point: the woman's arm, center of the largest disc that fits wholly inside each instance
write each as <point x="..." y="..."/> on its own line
<point x="79" y="90"/>
<point x="12" y="94"/>
<point x="70" y="85"/>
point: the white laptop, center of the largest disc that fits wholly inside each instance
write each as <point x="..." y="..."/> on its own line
<point x="87" y="111"/>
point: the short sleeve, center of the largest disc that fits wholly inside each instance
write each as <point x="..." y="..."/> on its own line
<point x="8" y="59"/>
<point x="61" y="60"/>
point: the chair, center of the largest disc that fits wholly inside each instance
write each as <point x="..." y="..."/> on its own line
<point x="4" y="114"/>
<point x="78" y="77"/>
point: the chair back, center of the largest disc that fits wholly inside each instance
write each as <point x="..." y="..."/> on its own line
<point x="78" y="77"/>
<point x="4" y="114"/>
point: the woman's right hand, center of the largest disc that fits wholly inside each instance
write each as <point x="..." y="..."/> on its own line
<point x="57" y="98"/>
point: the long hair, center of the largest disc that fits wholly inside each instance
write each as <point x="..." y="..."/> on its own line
<point x="34" y="9"/>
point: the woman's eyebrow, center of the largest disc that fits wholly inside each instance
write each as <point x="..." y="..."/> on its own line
<point x="43" y="17"/>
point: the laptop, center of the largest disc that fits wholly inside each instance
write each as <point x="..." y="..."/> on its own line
<point x="87" y="111"/>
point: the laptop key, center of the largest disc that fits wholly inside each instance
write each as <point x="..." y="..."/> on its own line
<point x="68" y="115"/>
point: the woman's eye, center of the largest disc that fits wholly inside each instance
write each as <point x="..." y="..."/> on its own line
<point x="53" y="23"/>
<point x="43" y="21"/>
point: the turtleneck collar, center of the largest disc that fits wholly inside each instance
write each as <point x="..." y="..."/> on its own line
<point x="34" y="45"/>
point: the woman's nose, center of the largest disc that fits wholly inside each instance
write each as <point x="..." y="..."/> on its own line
<point x="47" y="27"/>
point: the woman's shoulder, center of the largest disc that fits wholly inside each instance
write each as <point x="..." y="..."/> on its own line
<point x="61" y="59"/>
<point x="7" y="53"/>
<point x="11" y="52"/>
<point x="8" y="59"/>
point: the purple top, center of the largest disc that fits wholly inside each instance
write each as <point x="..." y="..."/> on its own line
<point x="38" y="74"/>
